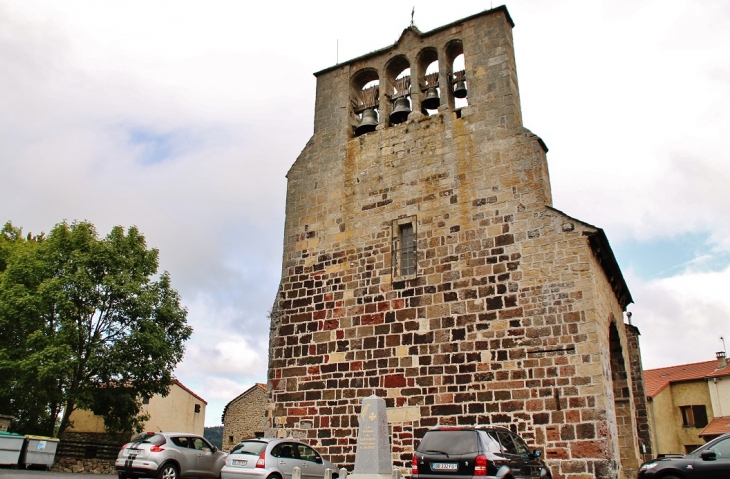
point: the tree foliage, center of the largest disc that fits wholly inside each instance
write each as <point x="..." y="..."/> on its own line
<point x="85" y="322"/>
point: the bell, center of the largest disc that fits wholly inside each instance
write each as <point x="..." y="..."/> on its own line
<point x="401" y="110"/>
<point x="368" y="122"/>
<point x="431" y="101"/>
<point x="460" y="89"/>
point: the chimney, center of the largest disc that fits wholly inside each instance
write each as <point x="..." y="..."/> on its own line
<point x="721" y="361"/>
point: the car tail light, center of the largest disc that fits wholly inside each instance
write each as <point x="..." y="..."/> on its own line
<point x="414" y="465"/>
<point x="156" y="449"/>
<point x="480" y="465"/>
<point x="125" y="446"/>
<point x="261" y="463"/>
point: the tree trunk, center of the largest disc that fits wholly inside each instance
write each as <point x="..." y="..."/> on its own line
<point x="67" y="410"/>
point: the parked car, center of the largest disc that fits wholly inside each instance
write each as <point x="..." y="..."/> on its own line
<point x="711" y="460"/>
<point x="269" y="458"/>
<point x="483" y="451"/>
<point x="169" y="455"/>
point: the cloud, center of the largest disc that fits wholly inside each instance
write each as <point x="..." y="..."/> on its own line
<point x="681" y="318"/>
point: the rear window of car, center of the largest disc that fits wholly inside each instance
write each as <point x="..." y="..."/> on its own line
<point x="450" y="442"/>
<point x="249" y="447"/>
<point x="150" y="438"/>
<point x="490" y="441"/>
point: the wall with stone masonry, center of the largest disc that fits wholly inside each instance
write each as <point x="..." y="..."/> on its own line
<point x="507" y="318"/>
<point x="244" y="417"/>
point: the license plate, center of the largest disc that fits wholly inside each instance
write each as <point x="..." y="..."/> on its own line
<point x="444" y="466"/>
<point x="239" y="463"/>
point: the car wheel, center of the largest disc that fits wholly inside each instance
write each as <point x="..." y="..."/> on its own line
<point x="168" y="471"/>
<point x="121" y="476"/>
<point x="274" y="476"/>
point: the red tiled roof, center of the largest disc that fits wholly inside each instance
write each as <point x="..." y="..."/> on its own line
<point x="658" y="379"/>
<point x="720" y="372"/>
<point x="719" y="425"/>
<point x="175" y="381"/>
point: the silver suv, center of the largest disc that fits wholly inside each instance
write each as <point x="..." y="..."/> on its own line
<point x="169" y="455"/>
<point x="267" y="458"/>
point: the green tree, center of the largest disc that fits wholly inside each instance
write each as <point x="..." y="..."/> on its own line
<point x="85" y="322"/>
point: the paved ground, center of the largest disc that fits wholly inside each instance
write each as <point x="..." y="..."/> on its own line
<point x="36" y="474"/>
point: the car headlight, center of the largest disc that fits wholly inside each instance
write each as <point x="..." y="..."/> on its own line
<point x="646" y="467"/>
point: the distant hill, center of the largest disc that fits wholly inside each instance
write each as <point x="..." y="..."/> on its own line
<point x="214" y="435"/>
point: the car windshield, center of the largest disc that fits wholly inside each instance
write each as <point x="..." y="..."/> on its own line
<point x="449" y="442"/>
<point x="149" y="437"/>
<point x="249" y="447"/>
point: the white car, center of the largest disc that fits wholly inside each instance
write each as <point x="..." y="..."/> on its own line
<point x="169" y="455"/>
<point x="267" y="458"/>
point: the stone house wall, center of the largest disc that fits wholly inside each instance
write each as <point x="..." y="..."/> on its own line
<point x="514" y="313"/>
<point x="245" y="416"/>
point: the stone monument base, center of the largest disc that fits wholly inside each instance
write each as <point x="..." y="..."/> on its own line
<point x="369" y="476"/>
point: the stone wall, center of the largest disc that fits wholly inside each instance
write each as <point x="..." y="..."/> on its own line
<point x="507" y="318"/>
<point x="92" y="453"/>
<point x="245" y="416"/>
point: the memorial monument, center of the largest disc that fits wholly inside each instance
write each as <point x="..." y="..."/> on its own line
<point x="372" y="456"/>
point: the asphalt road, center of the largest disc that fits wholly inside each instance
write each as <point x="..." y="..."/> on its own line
<point x="36" y="474"/>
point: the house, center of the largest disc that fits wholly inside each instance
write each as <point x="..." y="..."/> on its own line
<point x="245" y="416"/>
<point x="425" y="263"/>
<point x="688" y="404"/>
<point x="181" y="410"/>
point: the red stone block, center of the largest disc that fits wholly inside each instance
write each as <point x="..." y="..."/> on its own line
<point x="394" y="381"/>
<point x="592" y="449"/>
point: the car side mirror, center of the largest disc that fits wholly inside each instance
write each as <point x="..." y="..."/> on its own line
<point x="318" y="460"/>
<point x="536" y="453"/>
<point x="708" y="455"/>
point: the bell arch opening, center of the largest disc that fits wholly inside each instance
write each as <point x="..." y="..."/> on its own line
<point x="398" y="76"/>
<point x="428" y="81"/>
<point x="458" y="84"/>
<point x="364" y="100"/>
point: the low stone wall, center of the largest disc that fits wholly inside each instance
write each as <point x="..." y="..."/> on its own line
<point x="84" y="466"/>
<point x="89" y="453"/>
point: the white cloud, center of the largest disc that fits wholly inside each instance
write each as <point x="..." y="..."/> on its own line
<point x="681" y="318"/>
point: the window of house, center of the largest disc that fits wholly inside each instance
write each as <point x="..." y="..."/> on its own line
<point x="694" y="416"/>
<point x="403" y="254"/>
<point x="230" y="439"/>
<point x="197" y="408"/>
<point x="145" y="400"/>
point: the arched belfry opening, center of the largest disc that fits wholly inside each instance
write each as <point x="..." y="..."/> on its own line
<point x="428" y="81"/>
<point x="365" y="99"/>
<point x="622" y="397"/>
<point x="458" y="90"/>
<point x="398" y="74"/>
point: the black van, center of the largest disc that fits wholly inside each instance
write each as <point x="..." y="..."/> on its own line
<point x="476" y="451"/>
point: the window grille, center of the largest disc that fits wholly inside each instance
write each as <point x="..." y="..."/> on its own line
<point x="408" y="250"/>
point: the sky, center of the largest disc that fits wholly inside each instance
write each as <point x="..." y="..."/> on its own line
<point x="182" y="118"/>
